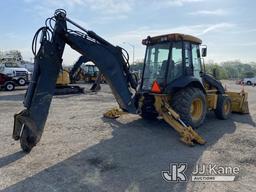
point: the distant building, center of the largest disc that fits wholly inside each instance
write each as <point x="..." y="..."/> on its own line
<point x="14" y="58"/>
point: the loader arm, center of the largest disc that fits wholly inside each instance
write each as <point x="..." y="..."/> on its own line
<point x="29" y="124"/>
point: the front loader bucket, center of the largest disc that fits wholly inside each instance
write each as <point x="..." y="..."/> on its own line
<point x="239" y="101"/>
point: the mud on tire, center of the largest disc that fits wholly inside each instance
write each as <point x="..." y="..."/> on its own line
<point x="148" y="111"/>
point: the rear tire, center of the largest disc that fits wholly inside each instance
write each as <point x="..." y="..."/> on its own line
<point x="149" y="116"/>
<point x="190" y="104"/>
<point x="21" y="81"/>
<point x="148" y="111"/>
<point x="9" y="86"/>
<point x="248" y="83"/>
<point x="223" y="109"/>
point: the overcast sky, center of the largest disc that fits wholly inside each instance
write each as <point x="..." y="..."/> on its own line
<point x="226" y="26"/>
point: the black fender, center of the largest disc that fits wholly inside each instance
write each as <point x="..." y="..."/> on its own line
<point x="214" y="83"/>
<point x="9" y="81"/>
<point x="184" y="81"/>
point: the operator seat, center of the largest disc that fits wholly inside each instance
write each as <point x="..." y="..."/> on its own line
<point x="161" y="76"/>
<point x="171" y="71"/>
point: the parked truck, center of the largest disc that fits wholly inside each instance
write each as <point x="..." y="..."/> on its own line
<point x="6" y="83"/>
<point x="21" y="75"/>
<point x="249" y="81"/>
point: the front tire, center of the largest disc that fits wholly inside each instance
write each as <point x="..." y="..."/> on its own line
<point x="148" y="111"/>
<point x="223" y="109"/>
<point x="9" y="86"/>
<point x="190" y="104"/>
<point x="148" y="115"/>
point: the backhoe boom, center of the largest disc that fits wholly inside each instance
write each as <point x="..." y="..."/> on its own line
<point x="29" y="124"/>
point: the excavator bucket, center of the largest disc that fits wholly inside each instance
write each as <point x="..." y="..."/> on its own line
<point x="187" y="134"/>
<point x="239" y="101"/>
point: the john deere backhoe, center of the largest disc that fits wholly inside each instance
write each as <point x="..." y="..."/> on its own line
<point x="173" y="86"/>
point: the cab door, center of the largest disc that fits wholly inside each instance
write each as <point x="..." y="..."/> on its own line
<point x="188" y="59"/>
<point x="196" y="61"/>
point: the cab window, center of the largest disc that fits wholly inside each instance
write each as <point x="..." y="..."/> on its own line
<point x="188" y="59"/>
<point x="175" y="65"/>
<point x="155" y="64"/>
<point x="196" y="60"/>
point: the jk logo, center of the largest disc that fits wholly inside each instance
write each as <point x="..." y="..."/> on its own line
<point x="175" y="173"/>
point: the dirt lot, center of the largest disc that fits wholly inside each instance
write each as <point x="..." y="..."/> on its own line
<point x="82" y="151"/>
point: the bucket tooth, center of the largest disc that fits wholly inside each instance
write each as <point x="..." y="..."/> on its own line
<point x="113" y="113"/>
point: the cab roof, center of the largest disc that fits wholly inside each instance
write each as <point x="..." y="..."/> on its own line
<point x="171" y="37"/>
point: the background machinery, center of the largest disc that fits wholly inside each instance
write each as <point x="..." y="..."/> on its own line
<point x="64" y="86"/>
<point x="66" y="79"/>
<point x="87" y="73"/>
<point x="76" y="73"/>
<point x="174" y="85"/>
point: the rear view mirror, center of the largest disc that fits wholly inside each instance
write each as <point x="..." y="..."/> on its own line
<point x="204" y="51"/>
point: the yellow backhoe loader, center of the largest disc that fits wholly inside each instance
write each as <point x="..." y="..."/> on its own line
<point x="174" y="85"/>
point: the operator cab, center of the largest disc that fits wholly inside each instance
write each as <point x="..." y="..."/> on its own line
<point x="169" y="58"/>
<point x="90" y="69"/>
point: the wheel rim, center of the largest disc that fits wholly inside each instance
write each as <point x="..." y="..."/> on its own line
<point x="196" y="109"/>
<point x="227" y="108"/>
<point x="22" y="82"/>
<point x="10" y="87"/>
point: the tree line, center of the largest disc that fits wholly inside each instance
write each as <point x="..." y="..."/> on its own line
<point x="231" y="69"/>
<point x="225" y="70"/>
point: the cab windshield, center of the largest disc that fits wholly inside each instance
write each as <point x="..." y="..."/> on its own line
<point x="10" y="65"/>
<point x="155" y="64"/>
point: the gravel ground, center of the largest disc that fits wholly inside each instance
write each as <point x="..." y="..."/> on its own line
<point x="82" y="151"/>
